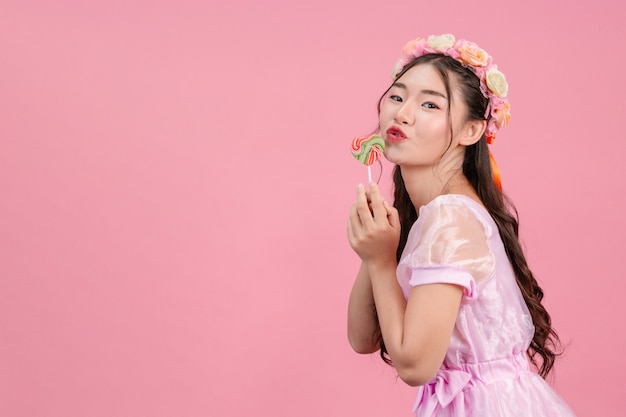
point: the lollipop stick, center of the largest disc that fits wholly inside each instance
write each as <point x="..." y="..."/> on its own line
<point x="369" y="174"/>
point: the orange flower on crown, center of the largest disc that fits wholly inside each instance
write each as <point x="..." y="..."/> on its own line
<point x="471" y="54"/>
<point x="411" y="45"/>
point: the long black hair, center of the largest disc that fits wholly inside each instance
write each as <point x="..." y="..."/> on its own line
<point x="545" y="345"/>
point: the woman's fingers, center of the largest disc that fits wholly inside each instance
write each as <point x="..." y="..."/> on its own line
<point x="378" y="204"/>
<point x="362" y="208"/>
<point x="393" y="216"/>
<point x="350" y="229"/>
<point x="373" y="225"/>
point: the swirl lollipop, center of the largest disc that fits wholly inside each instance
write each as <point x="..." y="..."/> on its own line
<point x="367" y="150"/>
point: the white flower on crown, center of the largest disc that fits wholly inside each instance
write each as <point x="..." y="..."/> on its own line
<point x="441" y="42"/>
<point x="496" y="81"/>
<point x="397" y="68"/>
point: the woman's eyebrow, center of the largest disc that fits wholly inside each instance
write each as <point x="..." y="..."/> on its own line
<point x="434" y="93"/>
<point x="430" y="92"/>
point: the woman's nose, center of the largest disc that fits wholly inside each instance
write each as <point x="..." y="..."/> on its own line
<point x="404" y="115"/>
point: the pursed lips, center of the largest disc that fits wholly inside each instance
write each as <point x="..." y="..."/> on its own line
<point x="395" y="134"/>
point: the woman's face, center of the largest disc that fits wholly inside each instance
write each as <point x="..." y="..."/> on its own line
<point x="414" y="117"/>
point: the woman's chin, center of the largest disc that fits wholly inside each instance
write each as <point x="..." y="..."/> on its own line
<point x="392" y="155"/>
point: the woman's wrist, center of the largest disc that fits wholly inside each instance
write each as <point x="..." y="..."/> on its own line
<point x="381" y="267"/>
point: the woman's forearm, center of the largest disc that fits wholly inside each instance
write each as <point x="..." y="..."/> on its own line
<point x="390" y="305"/>
<point x="416" y="332"/>
<point x="363" y="332"/>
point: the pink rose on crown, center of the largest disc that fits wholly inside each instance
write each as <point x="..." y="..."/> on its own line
<point x="480" y="73"/>
<point x="502" y="115"/>
<point x="397" y="68"/>
<point x="490" y="132"/>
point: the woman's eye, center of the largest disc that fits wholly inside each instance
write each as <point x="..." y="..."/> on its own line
<point x="396" y="98"/>
<point x="430" y="105"/>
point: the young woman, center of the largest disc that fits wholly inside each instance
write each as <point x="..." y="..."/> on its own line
<point x="444" y="291"/>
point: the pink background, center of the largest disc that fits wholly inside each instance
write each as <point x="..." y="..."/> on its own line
<point x="175" y="180"/>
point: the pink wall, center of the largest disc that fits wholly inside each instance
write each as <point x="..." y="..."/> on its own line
<point x="175" y="180"/>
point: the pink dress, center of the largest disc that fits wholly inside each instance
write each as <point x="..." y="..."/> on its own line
<point x="485" y="372"/>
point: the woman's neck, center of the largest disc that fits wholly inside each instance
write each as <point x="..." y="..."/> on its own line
<point x="425" y="184"/>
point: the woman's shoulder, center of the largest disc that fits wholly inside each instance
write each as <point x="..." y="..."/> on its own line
<point x="452" y="230"/>
<point x="450" y="216"/>
<point x="453" y="200"/>
<point x="456" y="209"/>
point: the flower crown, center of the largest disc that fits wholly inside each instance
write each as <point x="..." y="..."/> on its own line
<point x="493" y="84"/>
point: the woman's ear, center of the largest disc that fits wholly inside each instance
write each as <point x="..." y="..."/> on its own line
<point x="472" y="132"/>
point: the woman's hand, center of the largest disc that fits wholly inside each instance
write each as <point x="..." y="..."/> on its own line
<point x="373" y="227"/>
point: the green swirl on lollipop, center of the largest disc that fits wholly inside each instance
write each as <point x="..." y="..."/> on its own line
<point x="367" y="150"/>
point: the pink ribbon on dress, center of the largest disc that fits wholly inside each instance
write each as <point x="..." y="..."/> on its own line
<point x="441" y="392"/>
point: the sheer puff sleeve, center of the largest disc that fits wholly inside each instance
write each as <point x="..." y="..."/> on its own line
<point x="450" y="246"/>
